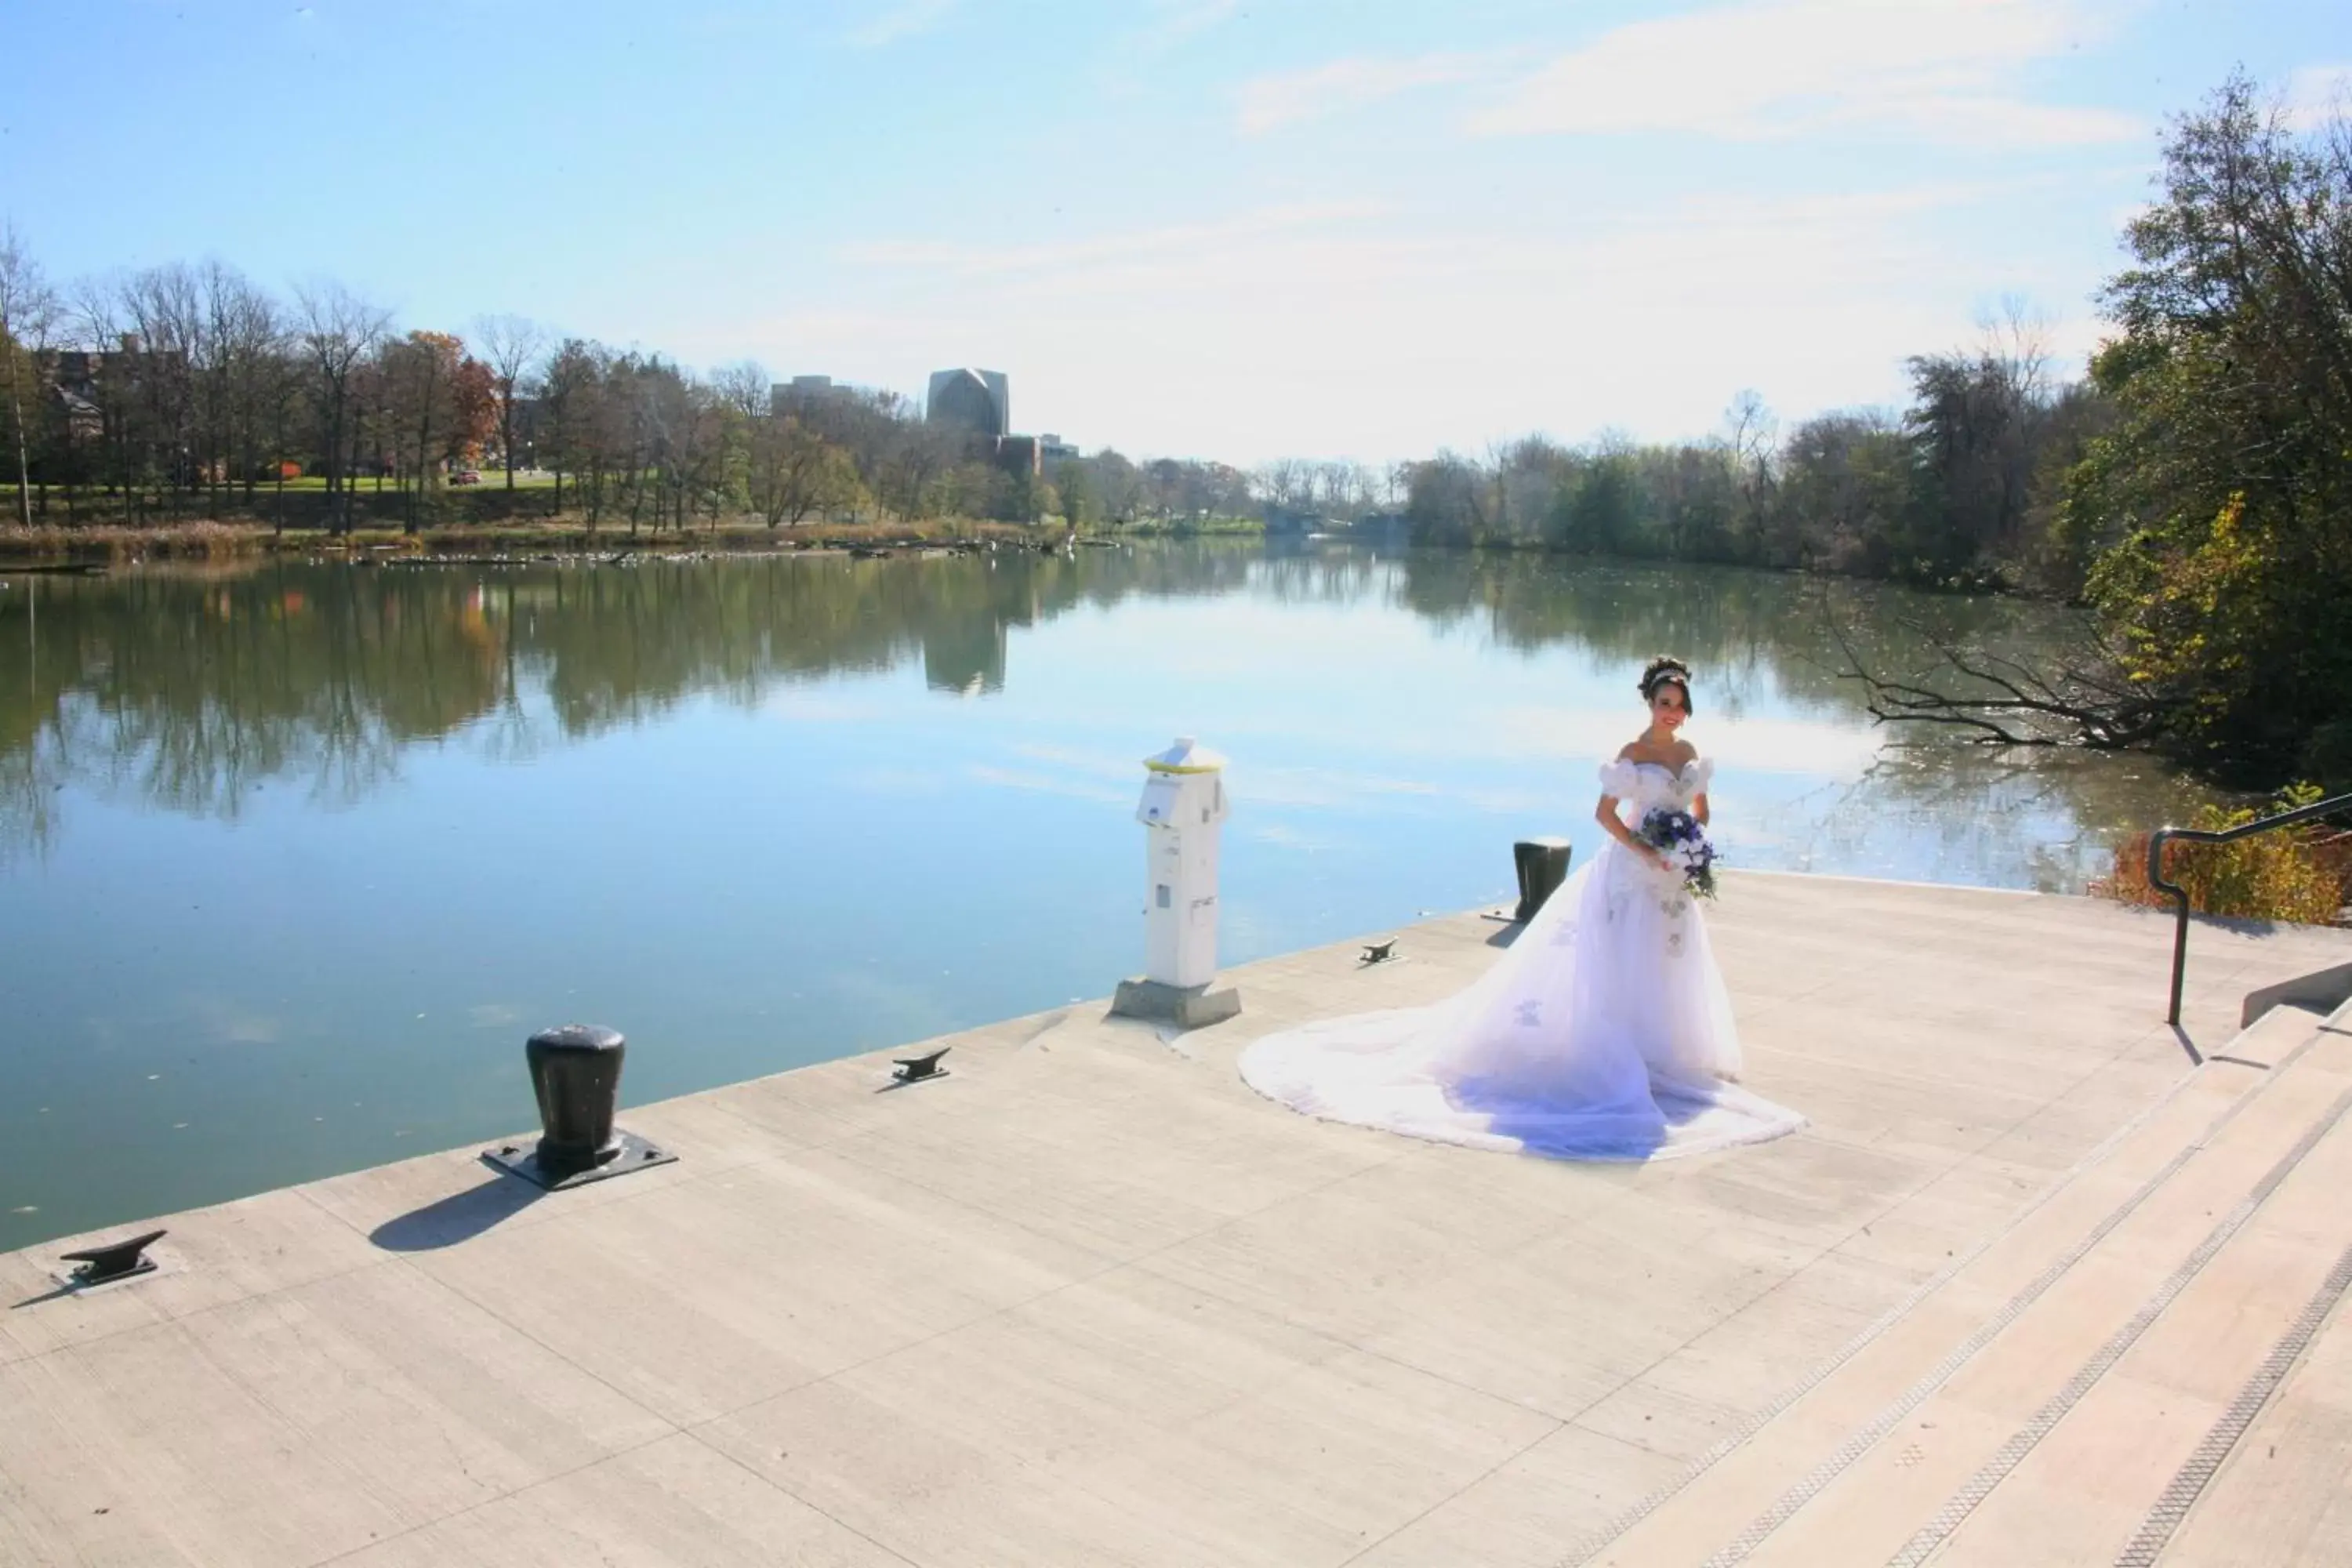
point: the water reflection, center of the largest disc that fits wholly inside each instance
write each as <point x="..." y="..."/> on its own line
<point x="291" y="857"/>
<point x="191" y="692"/>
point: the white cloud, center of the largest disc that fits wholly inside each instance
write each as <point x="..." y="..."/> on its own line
<point x="1135" y="64"/>
<point x="1061" y="257"/>
<point x="1343" y="331"/>
<point x="1045" y="784"/>
<point x="1174" y="21"/>
<point x="1269" y="102"/>
<point x="1094" y="764"/>
<point x="901" y="21"/>
<point x="1757" y="745"/>
<point x="1679" y="252"/>
<point x="805" y="705"/>
<point x="225" y="1018"/>
<point x="889" y="781"/>
<point x="1944" y="70"/>
<point x="2316" y="94"/>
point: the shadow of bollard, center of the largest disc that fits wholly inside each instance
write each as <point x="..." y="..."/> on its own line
<point x="445" y="1222"/>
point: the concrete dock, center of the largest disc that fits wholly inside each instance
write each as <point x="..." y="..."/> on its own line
<point x="1090" y="1301"/>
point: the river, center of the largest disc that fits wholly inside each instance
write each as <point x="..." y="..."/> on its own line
<point x="293" y="856"/>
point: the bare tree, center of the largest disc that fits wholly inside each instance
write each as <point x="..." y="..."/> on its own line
<point x="27" y="311"/>
<point x="1750" y="428"/>
<point x="510" y="346"/>
<point x="1118" y="483"/>
<point x="2017" y="339"/>
<point x="239" y="333"/>
<point x="248" y="336"/>
<point x="164" y="307"/>
<point x="743" y="386"/>
<point x="99" y="325"/>
<point x="1286" y="485"/>
<point x="337" y="329"/>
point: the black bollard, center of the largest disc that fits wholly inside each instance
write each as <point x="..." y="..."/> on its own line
<point x="1543" y="865"/>
<point x="575" y="1071"/>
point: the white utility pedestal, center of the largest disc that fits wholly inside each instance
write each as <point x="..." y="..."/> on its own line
<point x="1182" y="811"/>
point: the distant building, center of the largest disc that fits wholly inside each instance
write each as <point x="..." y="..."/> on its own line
<point x="84" y="421"/>
<point x="80" y="383"/>
<point x="800" y="389"/>
<point x="977" y="401"/>
<point x="85" y="371"/>
<point x="1056" y="450"/>
<point x="1021" y="455"/>
<point x="806" y="391"/>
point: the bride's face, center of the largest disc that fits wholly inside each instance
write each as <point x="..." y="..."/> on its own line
<point x="1668" y="707"/>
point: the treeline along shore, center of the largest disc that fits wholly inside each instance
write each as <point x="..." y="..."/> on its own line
<point x="2190" y="491"/>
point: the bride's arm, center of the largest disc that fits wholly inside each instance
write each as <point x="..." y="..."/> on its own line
<point x="1699" y="808"/>
<point x="1615" y="826"/>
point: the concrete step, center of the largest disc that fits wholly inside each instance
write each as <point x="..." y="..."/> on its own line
<point x="1897" y="1502"/>
<point x="2282" y="1495"/>
<point x="1852" y="1469"/>
<point x="2081" y="1495"/>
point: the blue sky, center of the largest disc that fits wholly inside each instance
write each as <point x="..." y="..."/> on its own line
<point x="1228" y="228"/>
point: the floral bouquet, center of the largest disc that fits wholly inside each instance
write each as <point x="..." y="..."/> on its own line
<point x="1678" y="835"/>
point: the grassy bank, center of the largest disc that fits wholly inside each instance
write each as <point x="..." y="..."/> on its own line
<point x="211" y="540"/>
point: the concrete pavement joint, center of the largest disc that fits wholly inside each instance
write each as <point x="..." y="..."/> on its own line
<point x="1980" y="1486"/>
<point x="1594" y="1545"/>
<point x="2190" y="1480"/>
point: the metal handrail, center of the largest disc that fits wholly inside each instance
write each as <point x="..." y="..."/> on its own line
<point x="2156" y="880"/>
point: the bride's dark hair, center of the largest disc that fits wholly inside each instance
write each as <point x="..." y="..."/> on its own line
<point x="1660" y="671"/>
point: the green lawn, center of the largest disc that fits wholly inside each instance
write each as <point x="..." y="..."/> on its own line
<point x="492" y="479"/>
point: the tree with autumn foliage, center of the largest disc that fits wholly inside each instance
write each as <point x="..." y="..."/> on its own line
<point x="439" y="406"/>
<point x="2219" y="510"/>
<point x="2208" y="516"/>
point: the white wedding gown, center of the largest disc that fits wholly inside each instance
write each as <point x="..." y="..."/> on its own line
<point x="1604" y="1033"/>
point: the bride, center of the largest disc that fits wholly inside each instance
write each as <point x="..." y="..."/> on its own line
<point x="1604" y="1033"/>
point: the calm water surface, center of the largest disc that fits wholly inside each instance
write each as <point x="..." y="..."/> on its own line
<point x="292" y="858"/>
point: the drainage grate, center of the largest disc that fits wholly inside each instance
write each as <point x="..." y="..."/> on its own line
<point x="1866" y="1438"/>
<point x="1592" y="1545"/>
<point x="2192" y="1478"/>
<point x="1980" y="1486"/>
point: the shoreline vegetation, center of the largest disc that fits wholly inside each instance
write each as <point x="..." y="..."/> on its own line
<point x="99" y="545"/>
<point x="2188" y="491"/>
<point x="2301" y="875"/>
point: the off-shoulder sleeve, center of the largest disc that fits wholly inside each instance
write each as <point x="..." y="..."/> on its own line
<point x="1618" y="778"/>
<point x="1697" y="773"/>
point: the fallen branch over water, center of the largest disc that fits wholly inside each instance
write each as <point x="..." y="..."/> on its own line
<point x="2081" y="701"/>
